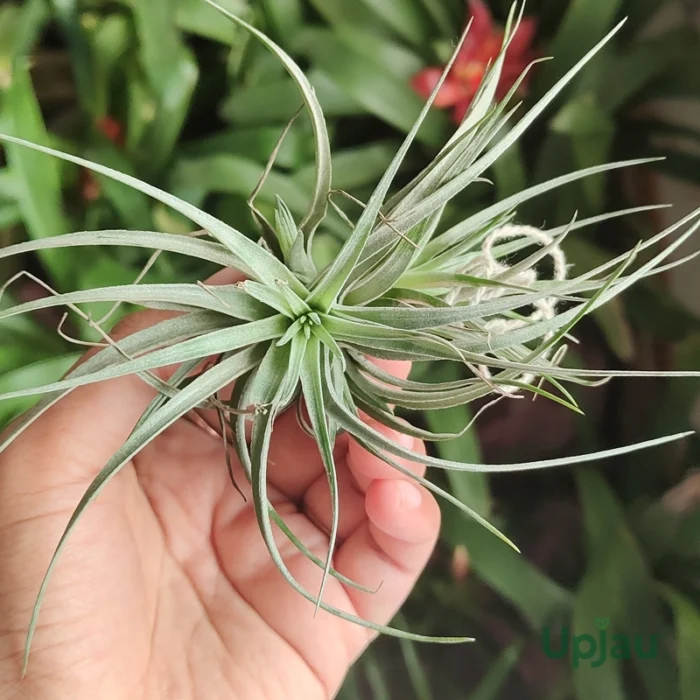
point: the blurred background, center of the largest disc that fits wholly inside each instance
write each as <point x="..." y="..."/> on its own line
<point x="168" y="91"/>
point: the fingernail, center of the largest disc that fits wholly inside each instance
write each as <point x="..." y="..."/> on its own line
<point x="409" y="495"/>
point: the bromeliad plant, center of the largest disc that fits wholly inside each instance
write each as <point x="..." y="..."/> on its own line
<point x="400" y="288"/>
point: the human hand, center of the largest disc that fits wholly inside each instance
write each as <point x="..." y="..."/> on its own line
<point x="166" y="589"/>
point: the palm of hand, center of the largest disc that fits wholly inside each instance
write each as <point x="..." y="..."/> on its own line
<point x="166" y="589"/>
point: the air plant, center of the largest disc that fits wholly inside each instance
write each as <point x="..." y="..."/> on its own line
<point x="401" y="288"/>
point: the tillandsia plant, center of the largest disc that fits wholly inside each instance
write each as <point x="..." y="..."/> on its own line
<point x="401" y="288"/>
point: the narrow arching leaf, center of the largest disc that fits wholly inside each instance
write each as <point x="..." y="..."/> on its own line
<point x="451" y="189"/>
<point x="214" y="343"/>
<point x="174" y="330"/>
<point x="273" y="298"/>
<point x="279" y="521"/>
<point x="457" y="233"/>
<point x="243" y="394"/>
<point x="483" y="100"/>
<point x="332" y="282"/>
<point x="271" y="392"/>
<point x="370" y="436"/>
<point x="250" y="257"/>
<point x="184" y="245"/>
<point x="229" y="299"/>
<point x="370" y="447"/>
<point x="312" y="385"/>
<point x="319" y="203"/>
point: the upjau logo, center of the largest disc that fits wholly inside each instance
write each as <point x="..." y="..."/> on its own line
<point x="597" y="649"/>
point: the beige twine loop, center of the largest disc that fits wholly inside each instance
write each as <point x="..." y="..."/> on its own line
<point x="486" y="266"/>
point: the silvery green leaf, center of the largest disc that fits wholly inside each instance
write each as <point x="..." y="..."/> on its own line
<point x="383" y="277"/>
<point x="319" y="203"/>
<point x="445" y="193"/>
<point x="312" y="385"/>
<point x="228" y="300"/>
<point x="391" y="421"/>
<point x="470" y="512"/>
<point x="484" y="98"/>
<point x="326" y="292"/>
<point x="279" y="521"/>
<point x="419" y="279"/>
<point x="173" y="330"/>
<point x="214" y="343"/>
<point x="184" y="245"/>
<point x="178" y="378"/>
<point x="300" y="262"/>
<point x="298" y="306"/>
<point x="329" y="341"/>
<point x="475" y="222"/>
<point x="376" y="336"/>
<point x="260" y="441"/>
<point x="251" y="258"/>
<point x="272" y="297"/>
<point x="285" y="228"/>
<point x="370" y="436"/>
<point x="422" y="318"/>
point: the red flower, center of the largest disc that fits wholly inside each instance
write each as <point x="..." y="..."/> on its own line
<point x="111" y="129"/>
<point x="480" y="48"/>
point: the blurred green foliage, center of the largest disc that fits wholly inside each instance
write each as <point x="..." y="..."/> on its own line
<point x="165" y="90"/>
